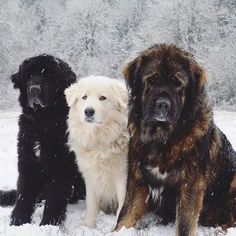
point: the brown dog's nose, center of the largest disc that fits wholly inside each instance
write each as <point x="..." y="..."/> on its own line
<point x="89" y="112"/>
<point x="163" y="105"/>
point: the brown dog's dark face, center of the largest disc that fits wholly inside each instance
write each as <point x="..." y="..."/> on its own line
<point x="163" y="95"/>
<point x="161" y="81"/>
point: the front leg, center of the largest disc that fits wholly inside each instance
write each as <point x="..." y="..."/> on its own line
<point x="121" y="191"/>
<point x="57" y="195"/>
<point x="28" y="188"/>
<point x="92" y="204"/>
<point x="189" y="206"/>
<point x="136" y="200"/>
<point x="28" y="184"/>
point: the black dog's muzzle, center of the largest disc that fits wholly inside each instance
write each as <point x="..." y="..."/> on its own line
<point x="34" y="92"/>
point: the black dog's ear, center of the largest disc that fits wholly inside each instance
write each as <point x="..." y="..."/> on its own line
<point x="70" y="78"/>
<point x="15" y="80"/>
<point x="131" y="72"/>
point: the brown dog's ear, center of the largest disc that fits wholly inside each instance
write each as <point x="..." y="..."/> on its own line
<point x="131" y="72"/>
<point x="15" y="80"/>
<point x="71" y="95"/>
<point x="199" y="75"/>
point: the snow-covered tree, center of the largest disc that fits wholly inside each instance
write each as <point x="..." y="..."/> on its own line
<point x="101" y="36"/>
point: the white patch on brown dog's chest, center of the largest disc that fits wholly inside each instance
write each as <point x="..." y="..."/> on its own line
<point x="156" y="194"/>
<point x="156" y="172"/>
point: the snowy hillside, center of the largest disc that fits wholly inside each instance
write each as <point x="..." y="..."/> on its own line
<point x="101" y="36"/>
<point x="74" y="222"/>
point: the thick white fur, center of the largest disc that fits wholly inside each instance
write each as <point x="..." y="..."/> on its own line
<point x="101" y="147"/>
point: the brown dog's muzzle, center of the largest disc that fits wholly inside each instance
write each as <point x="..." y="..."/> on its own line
<point x="163" y="106"/>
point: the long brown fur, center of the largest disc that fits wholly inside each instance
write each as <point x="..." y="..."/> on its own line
<point x="197" y="158"/>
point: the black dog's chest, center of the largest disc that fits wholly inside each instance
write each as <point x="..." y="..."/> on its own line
<point x="51" y="127"/>
<point x="37" y="149"/>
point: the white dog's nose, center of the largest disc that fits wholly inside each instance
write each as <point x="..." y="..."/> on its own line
<point x="89" y="112"/>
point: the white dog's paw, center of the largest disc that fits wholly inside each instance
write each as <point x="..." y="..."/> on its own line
<point x="89" y="222"/>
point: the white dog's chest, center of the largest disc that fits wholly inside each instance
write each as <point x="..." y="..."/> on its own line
<point x="104" y="181"/>
<point x="98" y="160"/>
<point x="103" y="167"/>
<point x="103" y="175"/>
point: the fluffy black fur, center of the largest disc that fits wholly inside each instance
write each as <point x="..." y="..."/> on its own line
<point x="7" y="197"/>
<point x="45" y="164"/>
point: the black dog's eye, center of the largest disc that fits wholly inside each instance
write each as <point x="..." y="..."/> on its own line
<point x="84" y="97"/>
<point x="102" y="98"/>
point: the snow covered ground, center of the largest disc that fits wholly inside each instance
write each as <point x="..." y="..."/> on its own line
<point x="74" y="222"/>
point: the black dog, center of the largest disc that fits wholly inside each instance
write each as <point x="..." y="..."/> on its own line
<point x="45" y="164"/>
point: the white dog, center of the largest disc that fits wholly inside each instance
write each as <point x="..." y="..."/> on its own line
<point x="97" y="125"/>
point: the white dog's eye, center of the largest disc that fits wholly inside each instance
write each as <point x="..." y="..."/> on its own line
<point x="84" y="97"/>
<point x="102" y="98"/>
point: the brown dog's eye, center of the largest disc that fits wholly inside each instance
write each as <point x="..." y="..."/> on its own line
<point x="84" y="97"/>
<point x="177" y="83"/>
<point x="152" y="81"/>
<point x="102" y="98"/>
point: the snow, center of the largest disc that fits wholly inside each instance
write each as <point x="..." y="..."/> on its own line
<point x="74" y="222"/>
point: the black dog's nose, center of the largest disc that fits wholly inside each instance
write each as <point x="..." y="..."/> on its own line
<point x="163" y="105"/>
<point x="35" y="89"/>
<point x="89" y="112"/>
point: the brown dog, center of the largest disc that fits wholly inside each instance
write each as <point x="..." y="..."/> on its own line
<point x="180" y="163"/>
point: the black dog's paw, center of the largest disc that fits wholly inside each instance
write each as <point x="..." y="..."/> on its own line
<point x="17" y="221"/>
<point x="52" y="220"/>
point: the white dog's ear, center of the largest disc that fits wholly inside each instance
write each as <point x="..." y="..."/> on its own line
<point x="71" y="95"/>
<point x="121" y="95"/>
